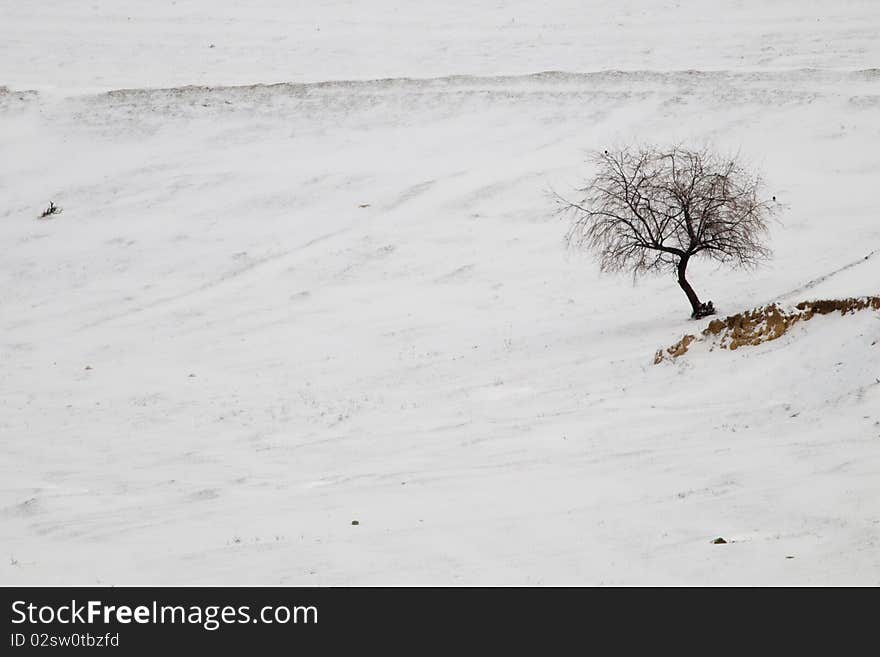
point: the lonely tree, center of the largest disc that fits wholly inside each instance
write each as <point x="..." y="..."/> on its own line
<point x="653" y="210"/>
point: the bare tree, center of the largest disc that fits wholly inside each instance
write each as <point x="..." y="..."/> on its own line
<point x="652" y="210"/>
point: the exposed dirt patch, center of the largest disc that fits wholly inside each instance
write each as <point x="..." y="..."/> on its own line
<point x="759" y="325"/>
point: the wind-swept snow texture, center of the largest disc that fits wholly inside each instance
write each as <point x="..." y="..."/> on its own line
<point x="269" y="310"/>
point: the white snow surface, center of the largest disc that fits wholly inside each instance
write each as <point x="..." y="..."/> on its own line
<point x="269" y="310"/>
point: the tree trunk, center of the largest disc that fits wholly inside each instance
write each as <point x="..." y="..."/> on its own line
<point x="696" y="306"/>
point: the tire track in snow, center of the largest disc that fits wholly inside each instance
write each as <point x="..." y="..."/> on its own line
<point x="821" y="279"/>
<point x="235" y="275"/>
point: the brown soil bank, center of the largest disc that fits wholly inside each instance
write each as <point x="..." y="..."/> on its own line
<point x="759" y="325"/>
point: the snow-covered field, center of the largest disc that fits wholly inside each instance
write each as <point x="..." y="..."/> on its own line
<point x="269" y="310"/>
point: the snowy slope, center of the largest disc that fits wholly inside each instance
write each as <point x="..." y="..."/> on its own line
<point x="267" y="311"/>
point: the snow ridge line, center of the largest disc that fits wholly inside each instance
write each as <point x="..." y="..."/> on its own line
<point x="870" y="75"/>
